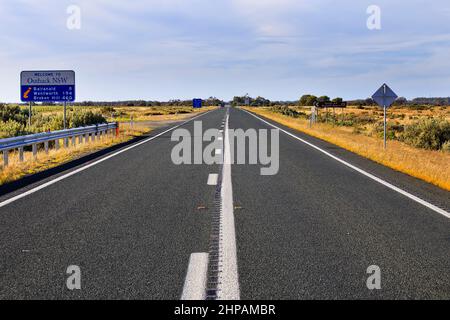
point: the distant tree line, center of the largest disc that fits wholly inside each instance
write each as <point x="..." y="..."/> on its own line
<point x="305" y="100"/>
<point x="260" y="102"/>
<point x="402" y="101"/>
<point x="310" y="100"/>
<point x="211" y="101"/>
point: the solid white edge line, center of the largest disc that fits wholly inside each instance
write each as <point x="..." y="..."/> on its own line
<point x="369" y="175"/>
<point x="196" y="277"/>
<point x="228" y="284"/>
<point x="212" y="179"/>
<point x="49" y="183"/>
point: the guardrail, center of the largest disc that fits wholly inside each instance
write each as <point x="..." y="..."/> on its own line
<point x="33" y="140"/>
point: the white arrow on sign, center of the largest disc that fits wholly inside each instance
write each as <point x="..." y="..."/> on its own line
<point x="384" y="96"/>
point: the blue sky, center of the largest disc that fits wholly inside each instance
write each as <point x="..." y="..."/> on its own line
<point x="279" y="49"/>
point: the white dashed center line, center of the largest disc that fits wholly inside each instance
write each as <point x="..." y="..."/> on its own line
<point x="196" y="277"/>
<point x="228" y="284"/>
<point x="212" y="179"/>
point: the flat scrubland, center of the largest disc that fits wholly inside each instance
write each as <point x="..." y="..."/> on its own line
<point x="418" y="136"/>
<point x="124" y="114"/>
<point x="131" y="123"/>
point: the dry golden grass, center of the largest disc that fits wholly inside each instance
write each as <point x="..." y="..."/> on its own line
<point x="399" y="115"/>
<point x="16" y="169"/>
<point x="157" y="113"/>
<point x="430" y="166"/>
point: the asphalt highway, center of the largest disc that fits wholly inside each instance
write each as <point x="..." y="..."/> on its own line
<point x="132" y="220"/>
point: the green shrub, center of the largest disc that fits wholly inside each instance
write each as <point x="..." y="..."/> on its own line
<point x="429" y="134"/>
<point x="107" y="109"/>
<point x="85" y="119"/>
<point x="11" y="128"/>
<point x="53" y="123"/>
<point x="13" y="113"/>
<point x="446" y="146"/>
<point x="393" y="130"/>
<point x="40" y="123"/>
<point x="419" y="107"/>
<point x="154" y="113"/>
<point x="288" y="112"/>
<point x="350" y="120"/>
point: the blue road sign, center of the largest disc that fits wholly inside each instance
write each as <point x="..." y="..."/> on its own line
<point x="47" y="86"/>
<point x="197" y="103"/>
<point x="384" y="96"/>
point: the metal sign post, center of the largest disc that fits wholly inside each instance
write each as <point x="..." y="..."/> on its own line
<point x="384" y="97"/>
<point x="385" y="127"/>
<point x="65" y="111"/>
<point x="312" y="119"/>
<point x="29" y="114"/>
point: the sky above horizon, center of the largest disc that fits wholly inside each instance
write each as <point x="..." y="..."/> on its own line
<point x="180" y="49"/>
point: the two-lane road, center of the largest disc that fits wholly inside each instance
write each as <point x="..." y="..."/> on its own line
<point x="132" y="221"/>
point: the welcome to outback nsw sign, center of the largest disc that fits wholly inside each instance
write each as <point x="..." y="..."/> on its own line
<point x="47" y="86"/>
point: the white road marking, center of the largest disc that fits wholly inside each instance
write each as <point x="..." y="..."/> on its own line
<point x="212" y="179"/>
<point x="367" y="174"/>
<point x="67" y="175"/>
<point x="218" y="151"/>
<point x="220" y="138"/>
<point x="228" y="284"/>
<point x="196" y="277"/>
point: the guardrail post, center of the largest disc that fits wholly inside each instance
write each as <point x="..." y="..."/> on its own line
<point x="5" y="158"/>
<point x="66" y="142"/>
<point x="46" y="147"/>
<point x="86" y="137"/>
<point x="73" y="140"/>
<point x="57" y="144"/>
<point x="93" y="136"/>
<point x="80" y="139"/>
<point x="21" y="154"/>
<point x="35" y="150"/>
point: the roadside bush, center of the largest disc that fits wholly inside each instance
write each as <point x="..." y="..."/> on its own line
<point x="288" y="112"/>
<point x="350" y="120"/>
<point x="85" y="119"/>
<point x="183" y="111"/>
<point x="13" y="113"/>
<point x="11" y="128"/>
<point x="107" y="109"/>
<point x="154" y="113"/>
<point x="446" y="146"/>
<point x="393" y="130"/>
<point x="419" y="107"/>
<point x="53" y="123"/>
<point x="429" y="134"/>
